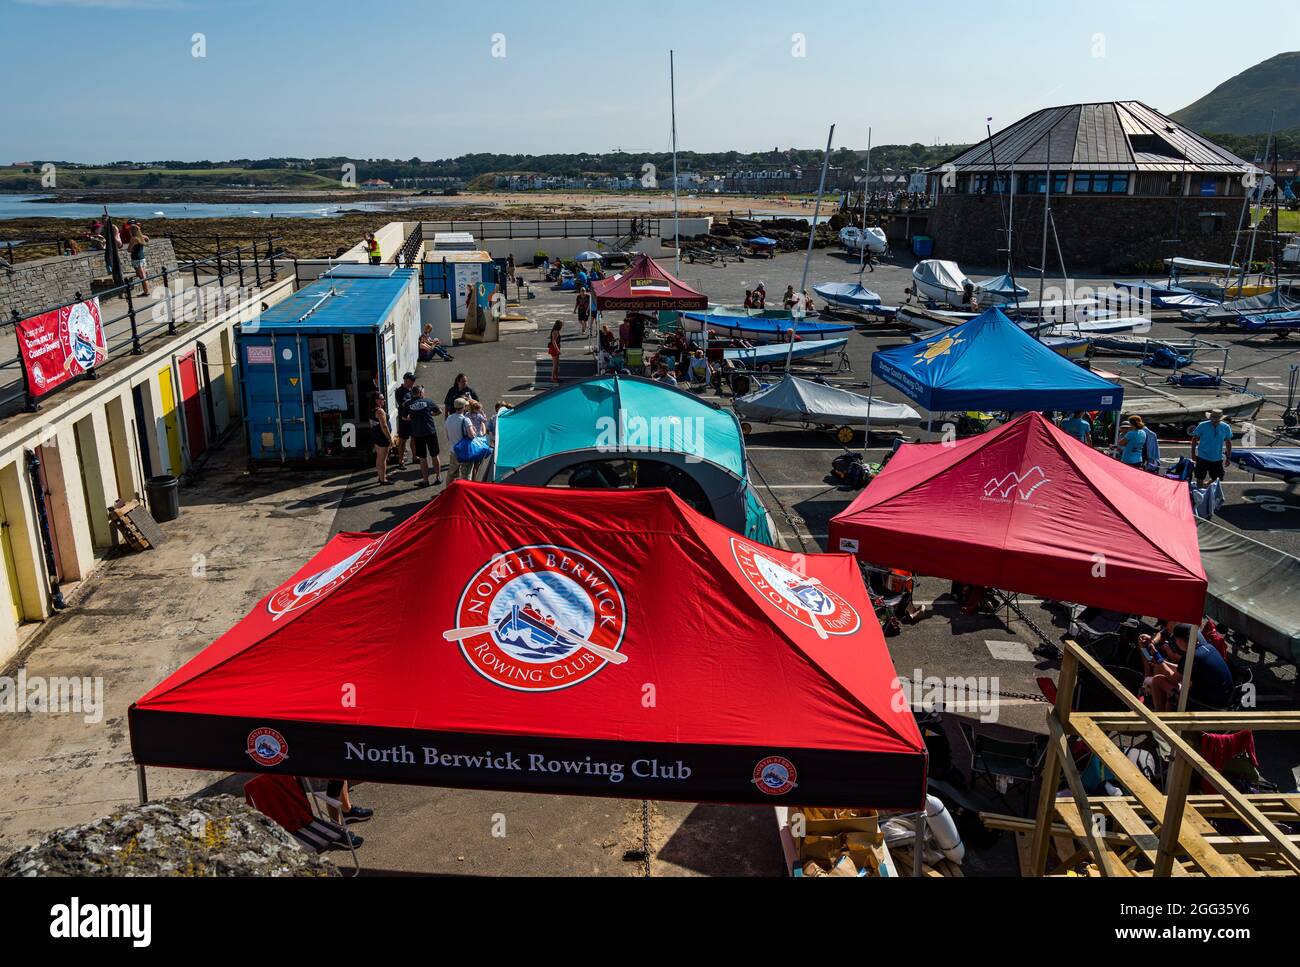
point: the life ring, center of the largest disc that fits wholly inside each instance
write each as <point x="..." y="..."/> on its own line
<point x="944" y="829"/>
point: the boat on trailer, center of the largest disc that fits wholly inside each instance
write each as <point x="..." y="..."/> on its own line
<point x="847" y="296"/>
<point x="761" y="325"/>
<point x="776" y="354"/>
<point x="1187" y="410"/>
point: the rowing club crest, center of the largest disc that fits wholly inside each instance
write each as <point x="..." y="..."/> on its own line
<point x="798" y="596"/>
<point x="540" y="618"/>
<point x="267" y="747"/>
<point x="775" y="775"/>
<point x="304" y="592"/>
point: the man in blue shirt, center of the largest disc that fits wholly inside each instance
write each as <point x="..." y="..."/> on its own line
<point x="1212" y="683"/>
<point x="1211" y="446"/>
<point x="1078" y="427"/>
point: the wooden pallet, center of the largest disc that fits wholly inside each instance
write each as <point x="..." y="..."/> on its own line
<point x="136" y="525"/>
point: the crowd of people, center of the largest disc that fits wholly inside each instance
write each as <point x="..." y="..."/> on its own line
<point x="1138" y="445"/>
<point x="469" y="432"/>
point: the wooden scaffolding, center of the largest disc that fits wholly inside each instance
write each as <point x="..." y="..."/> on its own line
<point x="1149" y="832"/>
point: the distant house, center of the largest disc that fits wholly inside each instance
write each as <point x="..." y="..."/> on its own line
<point x="373" y="183"/>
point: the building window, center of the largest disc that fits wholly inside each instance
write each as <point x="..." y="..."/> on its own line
<point x="1037" y="184"/>
<point x="1101" y="183"/>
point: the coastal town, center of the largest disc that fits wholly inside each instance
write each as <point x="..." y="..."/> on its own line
<point x="912" y="499"/>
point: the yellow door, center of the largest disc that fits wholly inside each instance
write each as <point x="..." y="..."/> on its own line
<point x="7" y="547"/>
<point x="171" y="421"/>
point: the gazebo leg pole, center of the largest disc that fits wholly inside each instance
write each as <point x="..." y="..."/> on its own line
<point x="866" y="436"/>
<point x="918" y="847"/>
<point x="142" y="784"/>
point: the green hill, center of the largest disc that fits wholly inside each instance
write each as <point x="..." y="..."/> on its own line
<point x="1244" y="104"/>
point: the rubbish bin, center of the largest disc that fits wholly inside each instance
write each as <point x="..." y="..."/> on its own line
<point x="164" y="497"/>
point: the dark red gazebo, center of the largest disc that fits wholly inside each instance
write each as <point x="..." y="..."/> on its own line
<point x="644" y="286"/>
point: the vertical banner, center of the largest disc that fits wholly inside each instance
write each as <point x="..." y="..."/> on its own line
<point x="60" y="345"/>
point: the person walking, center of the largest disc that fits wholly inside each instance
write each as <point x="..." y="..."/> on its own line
<point x="400" y="396"/>
<point x="510" y="267"/>
<point x="1211" y="447"/>
<point x="553" y="350"/>
<point x="372" y="249"/>
<point x="381" y="437"/>
<point x="582" y="306"/>
<point x="424" y="434"/>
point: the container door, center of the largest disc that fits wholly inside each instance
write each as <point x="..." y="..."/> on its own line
<point x="257" y="374"/>
<point x="11" y="566"/>
<point x="192" y="404"/>
<point x="171" y="420"/>
<point x="292" y="365"/>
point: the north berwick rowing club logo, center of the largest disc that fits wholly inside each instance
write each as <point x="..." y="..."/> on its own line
<point x="267" y="747"/>
<point x="540" y="618"/>
<point x="775" y="775"/>
<point x="798" y="596"/>
<point x="298" y="596"/>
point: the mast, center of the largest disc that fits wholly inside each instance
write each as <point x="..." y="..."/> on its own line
<point x="812" y="230"/>
<point x="677" y="230"/>
<point x="1047" y="214"/>
<point x="866" y="186"/>
<point x="1254" y="225"/>
<point x="993" y="157"/>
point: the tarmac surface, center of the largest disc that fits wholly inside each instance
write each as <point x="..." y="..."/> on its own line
<point x="790" y="467"/>
<point x="254" y="531"/>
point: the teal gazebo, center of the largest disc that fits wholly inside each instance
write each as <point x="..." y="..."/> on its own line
<point x="621" y="432"/>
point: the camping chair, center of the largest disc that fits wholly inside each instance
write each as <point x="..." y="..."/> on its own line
<point x="290" y="802"/>
<point x="635" y="359"/>
<point x="1006" y="759"/>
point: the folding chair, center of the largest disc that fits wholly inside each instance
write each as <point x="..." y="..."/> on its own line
<point x="1006" y="759"/>
<point x="289" y="802"/>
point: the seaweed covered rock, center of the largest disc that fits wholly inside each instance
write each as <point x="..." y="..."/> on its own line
<point x="215" y="836"/>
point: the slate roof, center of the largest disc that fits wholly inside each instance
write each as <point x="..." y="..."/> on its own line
<point x="1110" y="136"/>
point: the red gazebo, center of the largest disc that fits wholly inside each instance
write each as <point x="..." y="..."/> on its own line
<point x="1029" y="508"/>
<point x="644" y="286"/>
<point x="612" y="643"/>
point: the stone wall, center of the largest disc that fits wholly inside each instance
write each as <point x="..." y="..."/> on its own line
<point x="32" y="286"/>
<point x="1117" y="234"/>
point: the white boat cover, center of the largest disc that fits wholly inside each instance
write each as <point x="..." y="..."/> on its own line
<point x="1194" y="265"/>
<point x="936" y="274"/>
<point x="795" y="400"/>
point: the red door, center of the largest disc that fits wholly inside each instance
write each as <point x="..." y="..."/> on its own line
<point x="192" y="405"/>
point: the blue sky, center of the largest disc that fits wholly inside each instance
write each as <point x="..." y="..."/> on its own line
<point x="402" y="78"/>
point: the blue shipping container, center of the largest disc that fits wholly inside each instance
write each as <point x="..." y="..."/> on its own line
<point x="308" y="365"/>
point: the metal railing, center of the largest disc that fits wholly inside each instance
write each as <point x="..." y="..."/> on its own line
<point x="195" y="291"/>
<point x="539" y="228"/>
<point x="411" y="247"/>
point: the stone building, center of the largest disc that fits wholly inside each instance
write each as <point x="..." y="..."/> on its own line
<point x="1129" y="187"/>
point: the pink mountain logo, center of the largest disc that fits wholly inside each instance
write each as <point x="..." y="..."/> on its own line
<point x="1023" y="485"/>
